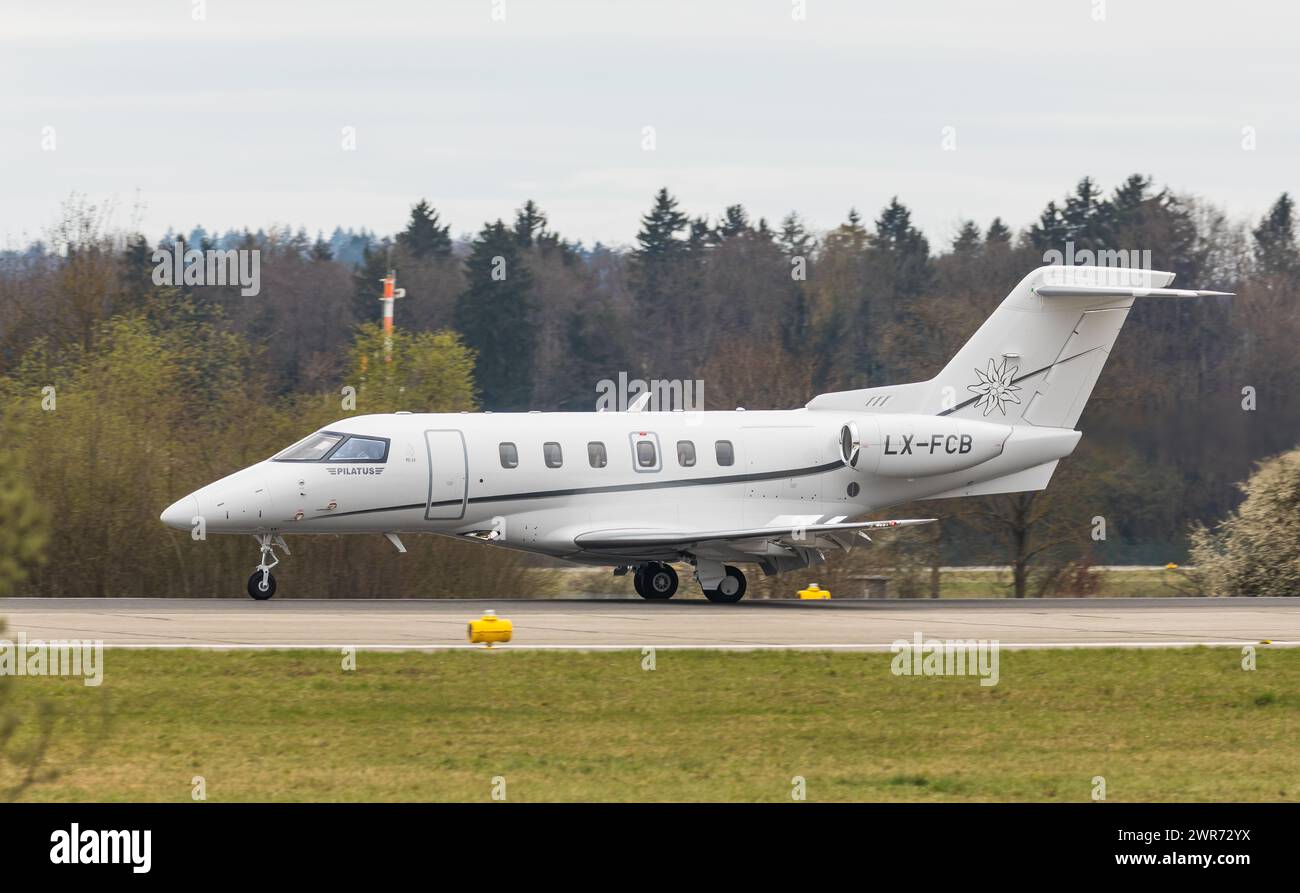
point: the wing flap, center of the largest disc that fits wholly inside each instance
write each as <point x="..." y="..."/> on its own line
<point x="622" y="538"/>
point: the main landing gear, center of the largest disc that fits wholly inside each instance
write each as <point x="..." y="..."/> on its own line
<point x="261" y="585"/>
<point x="655" y="580"/>
<point x="729" y="590"/>
<point x="724" y="584"/>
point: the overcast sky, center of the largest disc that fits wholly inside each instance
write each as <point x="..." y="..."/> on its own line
<point x="237" y="119"/>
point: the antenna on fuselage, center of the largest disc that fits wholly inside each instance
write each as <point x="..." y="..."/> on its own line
<point x="640" y="403"/>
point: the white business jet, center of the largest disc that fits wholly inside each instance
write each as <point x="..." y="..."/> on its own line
<point x="639" y="490"/>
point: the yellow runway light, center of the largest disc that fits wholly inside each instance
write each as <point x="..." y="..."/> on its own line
<point x="489" y="629"/>
<point x="814" y="591"/>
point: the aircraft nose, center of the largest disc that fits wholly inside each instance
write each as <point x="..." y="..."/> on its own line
<point x="181" y="513"/>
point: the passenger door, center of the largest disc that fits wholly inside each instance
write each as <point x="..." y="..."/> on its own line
<point x="448" y="475"/>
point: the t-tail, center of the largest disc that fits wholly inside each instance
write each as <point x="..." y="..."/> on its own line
<point x="1031" y="366"/>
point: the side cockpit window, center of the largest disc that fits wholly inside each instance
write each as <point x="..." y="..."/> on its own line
<point x="361" y="449"/>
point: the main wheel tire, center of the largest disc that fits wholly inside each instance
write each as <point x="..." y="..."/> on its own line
<point x="261" y="590"/>
<point x="730" y="590"/>
<point x="658" y="581"/>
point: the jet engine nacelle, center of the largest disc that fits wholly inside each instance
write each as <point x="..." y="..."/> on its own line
<point x="911" y="446"/>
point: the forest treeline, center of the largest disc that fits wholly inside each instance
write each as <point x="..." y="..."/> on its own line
<point x="157" y="389"/>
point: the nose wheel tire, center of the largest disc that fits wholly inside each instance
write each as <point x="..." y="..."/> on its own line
<point x="730" y="590"/>
<point x="655" y="581"/>
<point x="261" y="585"/>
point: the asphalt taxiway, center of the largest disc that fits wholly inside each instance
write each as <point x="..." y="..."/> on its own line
<point x="599" y="624"/>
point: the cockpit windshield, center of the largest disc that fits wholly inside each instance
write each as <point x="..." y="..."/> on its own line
<point x="331" y="446"/>
<point x="310" y="449"/>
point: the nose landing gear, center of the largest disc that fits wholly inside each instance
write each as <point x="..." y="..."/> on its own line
<point x="261" y="585"/>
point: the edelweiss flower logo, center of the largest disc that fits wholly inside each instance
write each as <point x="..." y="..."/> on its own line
<point x="995" y="387"/>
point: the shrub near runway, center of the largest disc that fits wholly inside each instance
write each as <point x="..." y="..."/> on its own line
<point x="1185" y="724"/>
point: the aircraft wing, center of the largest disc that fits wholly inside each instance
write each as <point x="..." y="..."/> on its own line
<point x="641" y="538"/>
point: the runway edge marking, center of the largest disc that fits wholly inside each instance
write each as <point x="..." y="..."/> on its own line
<point x="866" y="647"/>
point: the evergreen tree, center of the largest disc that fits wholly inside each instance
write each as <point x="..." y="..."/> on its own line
<point x="299" y="243"/>
<point x="894" y="231"/>
<point x="1275" y="242"/>
<point x="1085" y="220"/>
<point x="549" y="242"/>
<point x="349" y="247"/>
<point x="968" y="239"/>
<point x="321" y="250"/>
<point x="735" y="222"/>
<point x="663" y="273"/>
<point x="905" y="252"/>
<point x="530" y="224"/>
<point x="659" y="254"/>
<point x="199" y="238"/>
<point x="365" y="281"/>
<point x="702" y="236"/>
<point x="795" y="240"/>
<point x="137" y="273"/>
<point x="494" y="314"/>
<point x="1050" y="231"/>
<point x="1086" y="216"/>
<point x="1128" y="200"/>
<point x="657" y="241"/>
<point x="425" y="236"/>
<point x="998" y="233"/>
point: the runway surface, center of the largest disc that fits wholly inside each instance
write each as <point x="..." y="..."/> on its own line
<point x="864" y="625"/>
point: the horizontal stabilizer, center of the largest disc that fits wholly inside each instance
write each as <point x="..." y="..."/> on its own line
<point x="1111" y="291"/>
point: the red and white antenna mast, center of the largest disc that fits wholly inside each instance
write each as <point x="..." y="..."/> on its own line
<point x="391" y="293"/>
